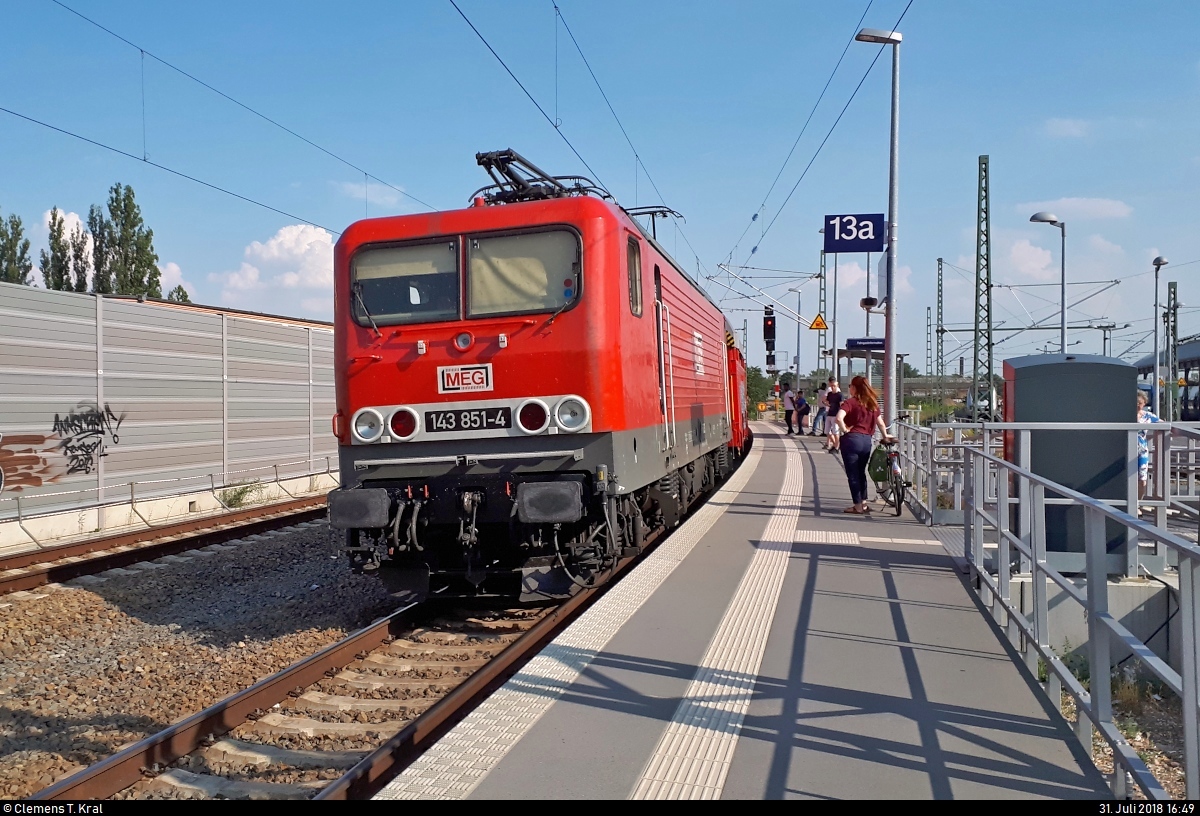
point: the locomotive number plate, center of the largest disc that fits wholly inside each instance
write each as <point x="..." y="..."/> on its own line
<point x="468" y="419"/>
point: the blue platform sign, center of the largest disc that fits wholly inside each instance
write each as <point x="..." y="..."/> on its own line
<point x="854" y="233"/>
<point x="869" y="343"/>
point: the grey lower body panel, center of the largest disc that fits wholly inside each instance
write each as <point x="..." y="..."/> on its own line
<point x="631" y="459"/>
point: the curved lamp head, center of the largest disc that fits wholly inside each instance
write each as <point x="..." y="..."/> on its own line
<point x="1160" y="261"/>
<point x="1045" y="218"/>
<point x="876" y="35"/>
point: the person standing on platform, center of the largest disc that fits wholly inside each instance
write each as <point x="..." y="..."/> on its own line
<point x="834" y="400"/>
<point x="803" y="409"/>
<point x="1146" y="416"/>
<point x="789" y="406"/>
<point x="818" y="423"/>
<point x="858" y="418"/>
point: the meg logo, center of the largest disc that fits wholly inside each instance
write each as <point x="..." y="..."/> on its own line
<point x="457" y="379"/>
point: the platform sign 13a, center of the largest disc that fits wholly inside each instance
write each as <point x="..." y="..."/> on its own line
<point x="854" y="233"/>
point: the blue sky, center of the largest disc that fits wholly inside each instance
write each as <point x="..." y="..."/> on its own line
<point x="1089" y="109"/>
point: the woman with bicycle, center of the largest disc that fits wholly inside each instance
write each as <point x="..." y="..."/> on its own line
<point x="857" y="418"/>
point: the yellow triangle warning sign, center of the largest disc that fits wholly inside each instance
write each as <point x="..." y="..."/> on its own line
<point x="819" y="324"/>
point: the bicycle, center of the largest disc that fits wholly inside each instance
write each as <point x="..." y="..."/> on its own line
<point x="889" y="477"/>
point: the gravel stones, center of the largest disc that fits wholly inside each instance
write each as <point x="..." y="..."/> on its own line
<point x="89" y="668"/>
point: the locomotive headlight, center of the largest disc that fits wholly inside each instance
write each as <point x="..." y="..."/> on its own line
<point x="572" y="413"/>
<point x="404" y="424"/>
<point x="533" y="416"/>
<point x="368" y="425"/>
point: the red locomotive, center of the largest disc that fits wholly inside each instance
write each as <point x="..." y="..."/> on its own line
<point x="526" y="388"/>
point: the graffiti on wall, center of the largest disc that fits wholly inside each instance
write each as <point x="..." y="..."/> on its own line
<point x="84" y="433"/>
<point x="75" y="444"/>
<point x="27" y="461"/>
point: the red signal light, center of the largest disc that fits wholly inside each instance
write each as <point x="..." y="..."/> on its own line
<point x="533" y="417"/>
<point x="404" y="424"/>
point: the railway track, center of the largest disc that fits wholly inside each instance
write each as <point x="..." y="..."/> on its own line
<point x="344" y="721"/>
<point x="29" y="570"/>
<point x="338" y="724"/>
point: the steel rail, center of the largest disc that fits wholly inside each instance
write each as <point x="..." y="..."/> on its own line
<point x="117" y="772"/>
<point x="37" y="568"/>
<point x="387" y="761"/>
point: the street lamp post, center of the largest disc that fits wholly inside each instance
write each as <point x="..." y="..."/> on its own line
<point x="893" y="39"/>
<point x="1048" y="218"/>
<point x="799" y="328"/>
<point x="1159" y="263"/>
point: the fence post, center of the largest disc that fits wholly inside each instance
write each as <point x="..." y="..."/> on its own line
<point x="1099" y="652"/>
<point x="1191" y="674"/>
<point x="978" y="492"/>
<point x="969" y="527"/>
<point x="1003" y="601"/>
<point x="1023" y="502"/>
<point x="931" y="474"/>
<point x="1041" y="586"/>
<point x="959" y="454"/>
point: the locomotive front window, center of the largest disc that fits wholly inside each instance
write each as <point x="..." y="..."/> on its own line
<point x="409" y="284"/>
<point x="531" y="272"/>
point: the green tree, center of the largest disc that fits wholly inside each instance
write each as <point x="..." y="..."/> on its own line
<point x="56" y="264"/>
<point x="123" y="247"/>
<point x="100" y="228"/>
<point x="80" y="262"/>
<point x="15" y="264"/>
<point x="179" y="295"/>
<point x="908" y="373"/>
<point x="758" y="385"/>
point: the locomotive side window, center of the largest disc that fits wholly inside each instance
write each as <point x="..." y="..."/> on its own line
<point x="408" y="284"/>
<point x="634" y="255"/>
<point x="530" y="272"/>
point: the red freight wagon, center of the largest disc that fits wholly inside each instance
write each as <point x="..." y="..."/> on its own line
<point x="527" y="389"/>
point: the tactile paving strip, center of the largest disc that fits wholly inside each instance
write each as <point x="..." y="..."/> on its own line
<point x="691" y="760"/>
<point x="826" y="537"/>
<point x="459" y="761"/>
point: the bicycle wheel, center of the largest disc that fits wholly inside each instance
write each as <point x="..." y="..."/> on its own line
<point x="896" y="497"/>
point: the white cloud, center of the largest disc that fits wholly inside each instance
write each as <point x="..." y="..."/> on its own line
<point x="172" y="276"/>
<point x="289" y="273"/>
<point x="1104" y="246"/>
<point x="71" y="220"/>
<point x="378" y="194"/>
<point x="1067" y="128"/>
<point x="851" y="277"/>
<point x="1085" y="208"/>
<point x="1029" y="261"/>
<point x="301" y="255"/>
<point x="246" y="279"/>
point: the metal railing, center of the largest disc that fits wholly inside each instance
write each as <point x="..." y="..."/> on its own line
<point x="992" y="486"/>
<point x="17" y="507"/>
<point x="933" y="460"/>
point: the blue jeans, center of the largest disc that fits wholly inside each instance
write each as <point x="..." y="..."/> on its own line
<point x="819" y="421"/>
<point x="856" y="452"/>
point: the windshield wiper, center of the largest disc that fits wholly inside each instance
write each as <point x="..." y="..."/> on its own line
<point x="561" y="309"/>
<point x="358" y="294"/>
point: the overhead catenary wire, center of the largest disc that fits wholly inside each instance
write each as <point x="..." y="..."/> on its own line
<point x="145" y="53"/>
<point x="170" y="170"/>
<point x="803" y="128"/>
<point x="832" y="127"/>
<point x="636" y="155"/>
<point x="521" y="85"/>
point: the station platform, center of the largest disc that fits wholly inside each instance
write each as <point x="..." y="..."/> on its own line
<point x="773" y="647"/>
